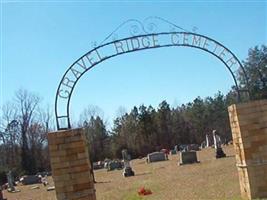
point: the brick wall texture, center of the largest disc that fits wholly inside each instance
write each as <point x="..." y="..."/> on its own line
<point x="249" y="130"/>
<point x="70" y="165"/>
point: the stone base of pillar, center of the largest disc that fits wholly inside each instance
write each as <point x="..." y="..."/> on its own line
<point x="70" y="165"/>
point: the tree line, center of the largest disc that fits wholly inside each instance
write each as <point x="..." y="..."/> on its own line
<point x="25" y="123"/>
<point x="145" y="129"/>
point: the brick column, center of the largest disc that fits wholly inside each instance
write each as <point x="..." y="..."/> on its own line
<point x="70" y="165"/>
<point x="249" y="130"/>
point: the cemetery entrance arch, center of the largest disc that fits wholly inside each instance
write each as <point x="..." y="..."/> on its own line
<point x="140" y="42"/>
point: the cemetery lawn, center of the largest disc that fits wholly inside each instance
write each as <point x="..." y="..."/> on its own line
<point x="209" y="179"/>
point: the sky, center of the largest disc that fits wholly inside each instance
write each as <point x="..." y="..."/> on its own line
<point x="41" y="39"/>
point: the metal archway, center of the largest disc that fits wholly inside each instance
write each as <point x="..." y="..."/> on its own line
<point x="137" y="43"/>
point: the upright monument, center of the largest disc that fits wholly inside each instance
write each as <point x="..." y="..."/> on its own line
<point x="218" y="145"/>
<point x="127" y="170"/>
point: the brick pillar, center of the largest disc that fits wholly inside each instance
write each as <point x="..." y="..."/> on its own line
<point x="70" y="165"/>
<point x="249" y="130"/>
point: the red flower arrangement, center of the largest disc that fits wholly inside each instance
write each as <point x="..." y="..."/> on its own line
<point x="143" y="191"/>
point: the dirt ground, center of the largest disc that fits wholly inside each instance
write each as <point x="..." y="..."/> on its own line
<point x="209" y="179"/>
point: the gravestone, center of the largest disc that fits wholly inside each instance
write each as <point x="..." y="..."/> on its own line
<point x="156" y="156"/>
<point x="10" y="181"/>
<point x="207" y="141"/>
<point x="217" y="145"/>
<point x="114" y="164"/>
<point x="106" y="162"/>
<point x="193" y="147"/>
<point x="127" y="167"/>
<point x="98" y="165"/>
<point x="188" y="157"/>
<point x="173" y="152"/>
<point x="28" y="180"/>
<point x="50" y="188"/>
<point x="203" y="145"/>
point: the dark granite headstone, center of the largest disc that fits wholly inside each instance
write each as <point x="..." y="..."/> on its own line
<point x="156" y="156"/>
<point x="31" y="179"/>
<point x="188" y="157"/>
<point x="115" y="164"/>
<point x="220" y="153"/>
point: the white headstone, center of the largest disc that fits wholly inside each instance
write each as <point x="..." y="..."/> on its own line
<point x="217" y="140"/>
<point x="207" y="141"/>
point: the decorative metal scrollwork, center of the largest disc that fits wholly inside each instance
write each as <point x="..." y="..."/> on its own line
<point x="136" y="27"/>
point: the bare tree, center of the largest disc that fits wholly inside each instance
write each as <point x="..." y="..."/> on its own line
<point x="90" y="111"/>
<point x="9" y="113"/>
<point x="26" y="103"/>
<point x="121" y="111"/>
<point x="23" y="133"/>
<point x="45" y="119"/>
<point x="9" y="136"/>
